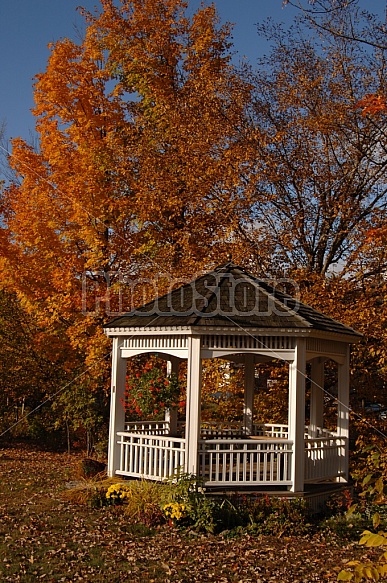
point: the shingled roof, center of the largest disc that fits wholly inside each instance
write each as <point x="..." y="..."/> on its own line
<point x="232" y="298"/>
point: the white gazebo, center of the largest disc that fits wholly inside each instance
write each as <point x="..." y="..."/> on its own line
<point x="230" y="314"/>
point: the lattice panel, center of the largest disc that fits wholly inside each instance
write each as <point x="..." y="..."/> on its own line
<point x="156" y="342"/>
<point x="212" y="341"/>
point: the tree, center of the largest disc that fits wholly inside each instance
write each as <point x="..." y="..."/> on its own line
<point x="141" y="142"/>
<point x="185" y="106"/>
<point x="30" y="366"/>
<point x="138" y="175"/>
<point x="343" y="19"/>
<point x="320" y="165"/>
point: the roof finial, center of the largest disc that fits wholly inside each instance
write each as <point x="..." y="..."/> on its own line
<point x="229" y="257"/>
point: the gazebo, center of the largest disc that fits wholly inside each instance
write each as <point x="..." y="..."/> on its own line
<point x="232" y="315"/>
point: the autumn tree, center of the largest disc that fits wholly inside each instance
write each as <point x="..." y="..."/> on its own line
<point x="345" y="20"/>
<point x="320" y="184"/>
<point x="141" y="144"/>
<point x="320" y="165"/>
<point x="156" y="156"/>
<point x="29" y="368"/>
<point x="139" y="172"/>
<point x="186" y="127"/>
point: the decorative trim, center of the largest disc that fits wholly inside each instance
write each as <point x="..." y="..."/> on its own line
<point x="231" y="341"/>
<point x="321" y="346"/>
<point x="156" y="342"/>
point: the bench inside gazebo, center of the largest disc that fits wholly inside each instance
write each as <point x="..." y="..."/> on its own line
<point x="232" y="315"/>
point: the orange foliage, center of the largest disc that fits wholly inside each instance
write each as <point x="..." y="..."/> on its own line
<point x="360" y="304"/>
<point x="139" y="170"/>
<point x="222" y="391"/>
<point x="373" y="104"/>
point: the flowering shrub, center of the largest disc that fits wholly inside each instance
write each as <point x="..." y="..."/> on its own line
<point x="149" y="393"/>
<point x="188" y="505"/>
<point x="116" y="493"/>
<point x="175" y="511"/>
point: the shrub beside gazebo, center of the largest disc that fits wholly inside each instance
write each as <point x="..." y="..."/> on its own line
<point x="232" y="315"/>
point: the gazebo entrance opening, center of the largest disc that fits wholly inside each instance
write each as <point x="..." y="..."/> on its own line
<point x="243" y="453"/>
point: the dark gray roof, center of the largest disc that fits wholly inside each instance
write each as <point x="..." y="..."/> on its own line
<point x="232" y="298"/>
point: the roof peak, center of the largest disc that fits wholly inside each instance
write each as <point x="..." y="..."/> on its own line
<point x="230" y="297"/>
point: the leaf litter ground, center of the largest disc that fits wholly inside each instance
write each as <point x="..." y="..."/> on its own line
<point x="44" y="538"/>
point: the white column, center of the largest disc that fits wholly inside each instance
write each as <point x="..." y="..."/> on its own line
<point x="117" y="411"/>
<point x="171" y="414"/>
<point x="296" y="419"/>
<point x="316" y="396"/>
<point x="343" y="413"/>
<point x="193" y="409"/>
<point x="249" y="382"/>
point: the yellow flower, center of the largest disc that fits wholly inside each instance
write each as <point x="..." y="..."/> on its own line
<point x="175" y="510"/>
<point x="116" y="493"/>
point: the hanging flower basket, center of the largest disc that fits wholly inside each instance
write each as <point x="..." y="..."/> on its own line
<point x="149" y="393"/>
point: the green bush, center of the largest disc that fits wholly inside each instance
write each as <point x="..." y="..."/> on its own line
<point x="351" y="524"/>
<point x="274" y="515"/>
<point x="183" y="502"/>
<point x="259" y="514"/>
<point x="286" y="517"/>
<point x="90" y="467"/>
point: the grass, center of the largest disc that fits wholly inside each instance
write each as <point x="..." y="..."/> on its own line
<point x="46" y="537"/>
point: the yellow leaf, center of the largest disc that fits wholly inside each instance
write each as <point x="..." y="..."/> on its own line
<point x="375" y="540"/>
<point x="371" y="573"/>
<point x="376" y="520"/>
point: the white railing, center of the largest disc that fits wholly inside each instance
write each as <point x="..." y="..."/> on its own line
<point x="323" y="458"/>
<point x="226" y="456"/>
<point x="244" y="461"/>
<point x="216" y="430"/>
<point x="151" y="457"/>
<point x="219" y="430"/>
<point x="148" y="427"/>
<point x="237" y="429"/>
<point x="271" y="430"/>
<point x="322" y="432"/>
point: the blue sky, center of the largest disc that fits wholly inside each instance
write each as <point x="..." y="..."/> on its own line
<point x="28" y="26"/>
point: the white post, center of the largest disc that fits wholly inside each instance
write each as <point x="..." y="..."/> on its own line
<point x="343" y="413"/>
<point x="297" y="369"/>
<point x="171" y="414"/>
<point x="249" y="382"/>
<point x="316" y="396"/>
<point x="193" y="410"/>
<point x="117" y="411"/>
